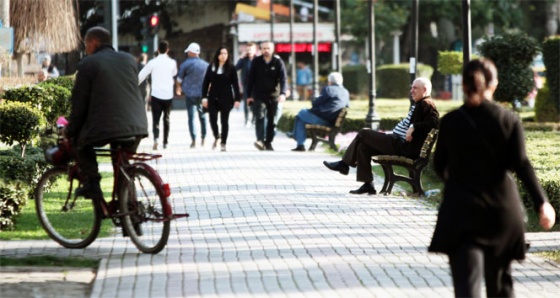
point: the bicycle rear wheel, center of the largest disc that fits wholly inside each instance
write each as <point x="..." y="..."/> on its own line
<point x="70" y="221"/>
<point x="144" y="218"/>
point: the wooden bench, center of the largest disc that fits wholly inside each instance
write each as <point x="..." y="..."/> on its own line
<point x="325" y="134"/>
<point x="414" y="166"/>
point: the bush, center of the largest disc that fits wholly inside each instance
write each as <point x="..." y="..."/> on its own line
<point x="451" y="62"/>
<point x="551" y="59"/>
<point x="65" y="81"/>
<point x="543" y="152"/>
<point x="20" y="124"/>
<point x="12" y="200"/>
<point x="27" y="169"/>
<point x="393" y="80"/>
<point x="356" y="79"/>
<point x="545" y="107"/>
<point x="513" y="54"/>
<point x="51" y="100"/>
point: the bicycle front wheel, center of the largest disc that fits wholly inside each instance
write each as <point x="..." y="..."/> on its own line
<point x="144" y="218"/>
<point x="70" y="221"/>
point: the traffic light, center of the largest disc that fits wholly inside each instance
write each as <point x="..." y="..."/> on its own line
<point x="153" y="24"/>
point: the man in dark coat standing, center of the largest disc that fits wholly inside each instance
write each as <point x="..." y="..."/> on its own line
<point x="266" y="87"/>
<point x="106" y="105"/>
<point x="406" y="140"/>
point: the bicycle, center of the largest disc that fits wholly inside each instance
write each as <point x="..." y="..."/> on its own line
<point x="139" y="201"/>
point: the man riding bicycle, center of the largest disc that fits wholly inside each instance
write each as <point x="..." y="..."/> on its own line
<point x="106" y="105"/>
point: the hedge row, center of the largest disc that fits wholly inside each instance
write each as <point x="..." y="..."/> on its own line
<point x="24" y="111"/>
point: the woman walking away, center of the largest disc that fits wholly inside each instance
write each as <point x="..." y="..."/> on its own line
<point x="480" y="222"/>
<point x="220" y="92"/>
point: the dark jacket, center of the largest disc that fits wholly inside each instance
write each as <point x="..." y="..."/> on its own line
<point x="222" y="89"/>
<point x="266" y="81"/>
<point x="476" y="150"/>
<point x="106" y="100"/>
<point x="424" y="118"/>
<point x="328" y="105"/>
<point x="244" y="64"/>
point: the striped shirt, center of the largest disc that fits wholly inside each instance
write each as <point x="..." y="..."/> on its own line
<point x="402" y="127"/>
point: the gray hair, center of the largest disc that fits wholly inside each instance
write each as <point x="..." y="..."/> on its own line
<point x="335" y="78"/>
<point x="427" y="84"/>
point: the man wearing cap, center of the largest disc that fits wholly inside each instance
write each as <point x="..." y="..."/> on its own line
<point x="163" y="70"/>
<point x="189" y="80"/>
<point x="52" y="71"/>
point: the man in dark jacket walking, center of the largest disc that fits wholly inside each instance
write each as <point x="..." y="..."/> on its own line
<point x="266" y="87"/>
<point x="106" y="105"/>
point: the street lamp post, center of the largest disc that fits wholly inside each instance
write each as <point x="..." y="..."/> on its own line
<point x="372" y="120"/>
<point x="336" y="48"/>
<point x="466" y="32"/>
<point x="292" y="51"/>
<point x="272" y="21"/>
<point x="315" y="49"/>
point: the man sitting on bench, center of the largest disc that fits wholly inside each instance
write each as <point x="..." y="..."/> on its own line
<point x="324" y="109"/>
<point x="406" y="140"/>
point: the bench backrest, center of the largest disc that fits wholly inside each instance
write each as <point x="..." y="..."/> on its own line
<point x="340" y="118"/>
<point x="429" y="144"/>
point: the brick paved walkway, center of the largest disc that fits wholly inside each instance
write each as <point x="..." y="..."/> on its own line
<point x="278" y="224"/>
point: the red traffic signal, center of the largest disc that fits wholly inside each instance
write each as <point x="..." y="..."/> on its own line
<point x="154" y="21"/>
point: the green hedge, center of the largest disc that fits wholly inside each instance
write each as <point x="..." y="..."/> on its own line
<point x="513" y="55"/>
<point x="543" y="151"/>
<point x="20" y="123"/>
<point x="64" y="81"/>
<point x="548" y="105"/>
<point x="393" y="80"/>
<point x="12" y="200"/>
<point x="356" y="79"/>
<point x="51" y="100"/>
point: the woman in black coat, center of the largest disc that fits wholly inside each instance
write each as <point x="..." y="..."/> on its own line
<point x="220" y="92"/>
<point x="480" y="221"/>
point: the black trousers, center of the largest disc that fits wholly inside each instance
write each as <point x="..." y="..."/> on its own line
<point x="159" y="106"/>
<point x="260" y="108"/>
<point x="87" y="159"/>
<point x="365" y="145"/>
<point x="470" y="261"/>
<point x="223" y="110"/>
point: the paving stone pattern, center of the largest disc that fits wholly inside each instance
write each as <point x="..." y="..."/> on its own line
<point x="279" y="224"/>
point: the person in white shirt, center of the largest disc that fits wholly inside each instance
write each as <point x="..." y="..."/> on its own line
<point x="162" y="69"/>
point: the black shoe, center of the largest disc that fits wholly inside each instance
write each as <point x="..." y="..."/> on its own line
<point x="90" y="190"/>
<point x="299" y="148"/>
<point x="259" y="145"/>
<point x="365" y="188"/>
<point x="337" y="166"/>
<point x="268" y="147"/>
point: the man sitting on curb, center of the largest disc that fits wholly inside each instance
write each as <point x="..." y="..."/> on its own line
<point x="406" y="140"/>
<point x="324" y="109"/>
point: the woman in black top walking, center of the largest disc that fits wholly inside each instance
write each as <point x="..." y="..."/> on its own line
<point x="220" y="92"/>
<point x="480" y="221"/>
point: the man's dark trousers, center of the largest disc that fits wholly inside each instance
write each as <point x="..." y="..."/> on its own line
<point x="366" y="144"/>
<point x="268" y="106"/>
<point x="159" y="106"/>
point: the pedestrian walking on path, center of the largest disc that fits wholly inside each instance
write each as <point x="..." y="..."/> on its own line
<point x="163" y="70"/>
<point x="189" y="80"/>
<point x="220" y="91"/>
<point x="266" y="88"/>
<point x="480" y="222"/>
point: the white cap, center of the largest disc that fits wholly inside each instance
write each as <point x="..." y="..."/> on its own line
<point x="193" y="48"/>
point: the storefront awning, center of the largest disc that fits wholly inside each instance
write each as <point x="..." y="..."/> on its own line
<point x="302" y="32"/>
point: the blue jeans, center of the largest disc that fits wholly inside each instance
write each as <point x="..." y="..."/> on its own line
<point x="193" y="104"/>
<point x="305" y="117"/>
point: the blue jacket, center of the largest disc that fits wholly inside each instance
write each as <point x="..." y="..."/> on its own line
<point x="328" y="105"/>
<point x="191" y="74"/>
